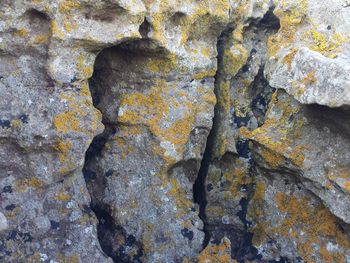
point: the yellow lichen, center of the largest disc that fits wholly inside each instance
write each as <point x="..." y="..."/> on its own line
<point x="238" y="177"/>
<point x="162" y="65"/>
<point x="234" y="59"/>
<point x="240" y="110"/>
<point x="66" y="6"/>
<point x="205" y="74"/>
<point x="56" y="31"/>
<point x="69" y="25"/>
<point x="327" y="45"/>
<point x="85" y="70"/>
<point x="23" y="32"/>
<point x="289" y="21"/>
<point x="40" y="39"/>
<point x="16" y="123"/>
<point x="224" y="94"/>
<point x="22" y="185"/>
<point x="62" y="196"/>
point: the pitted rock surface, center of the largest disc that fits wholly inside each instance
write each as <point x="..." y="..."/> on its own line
<point x="174" y="131"/>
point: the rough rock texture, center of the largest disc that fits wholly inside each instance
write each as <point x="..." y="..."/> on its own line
<point x="174" y="131"/>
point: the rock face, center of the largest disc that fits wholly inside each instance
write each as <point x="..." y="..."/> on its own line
<point x="175" y="131"/>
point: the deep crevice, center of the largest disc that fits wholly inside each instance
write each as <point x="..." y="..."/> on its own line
<point x="114" y="240"/>
<point x="199" y="189"/>
<point x="244" y="250"/>
<point x="109" y="232"/>
<point x="106" y="226"/>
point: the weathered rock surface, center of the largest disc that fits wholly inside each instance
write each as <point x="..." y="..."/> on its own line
<point x="174" y="131"/>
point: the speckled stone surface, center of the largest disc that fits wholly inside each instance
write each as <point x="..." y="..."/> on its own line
<point x="174" y="131"/>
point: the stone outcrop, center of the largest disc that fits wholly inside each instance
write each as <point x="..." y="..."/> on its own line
<point x="174" y="131"/>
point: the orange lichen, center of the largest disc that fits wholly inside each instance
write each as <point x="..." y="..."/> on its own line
<point x="63" y="148"/>
<point x="151" y="109"/>
<point x="325" y="254"/>
<point x="272" y="158"/>
<point x="340" y="171"/>
<point x="85" y="90"/>
<point x="310" y="78"/>
<point x="277" y="134"/>
<point x="67" y="121"/>
<point x="217" y="253"/>
<point x="144" y="108"/>
<point x="347" y="186"/>
<point x="288" y="59"/>
<point x="256" y="206"/>
<point x="72" y="118"/>
<point x="296" y="156"/>
<point x="316" y="222"/>
<point x="238" y="176"/>
<point x="300" y="86"/>
<point x="182" y="202"/>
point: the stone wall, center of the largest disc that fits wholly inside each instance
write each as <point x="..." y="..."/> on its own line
<point x="174" y="131"/>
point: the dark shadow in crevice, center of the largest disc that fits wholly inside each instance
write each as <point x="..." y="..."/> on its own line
<point x="199" y="189"/>
<point x="145" y="28"/>
<point x="244" y="250"/>
<point x="109" y="233"/>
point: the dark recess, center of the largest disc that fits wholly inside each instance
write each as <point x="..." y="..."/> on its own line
<point x="199" y="189"/>
<point x="108" y="231"/>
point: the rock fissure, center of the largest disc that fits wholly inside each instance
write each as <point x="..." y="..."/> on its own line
<point x="106" y="226"/>
<point x="199" y="187"/>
